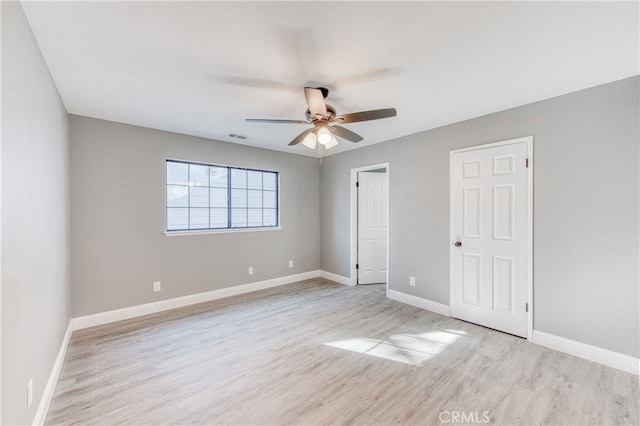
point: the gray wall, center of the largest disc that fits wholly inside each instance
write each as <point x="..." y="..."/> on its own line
<point x="118" y="202"/>
<point x="36" y="304"/>
<point x="585" y="209"/>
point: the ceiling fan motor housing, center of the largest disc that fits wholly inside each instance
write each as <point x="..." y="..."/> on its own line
<point x="331" y="112"/>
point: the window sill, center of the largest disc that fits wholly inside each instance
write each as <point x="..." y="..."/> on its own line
<point x="219" y="231"/>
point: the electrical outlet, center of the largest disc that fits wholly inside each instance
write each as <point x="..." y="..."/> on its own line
<point x="157" y="286"/>
<point x="250" y="270"/>
<point x="291" y="264"/>
<point x="412" y="281"/>
<point x="29" y="393"/>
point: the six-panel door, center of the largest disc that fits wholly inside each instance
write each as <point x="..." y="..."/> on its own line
<point x="489" y="220"/>
<point x="373" y="224"/>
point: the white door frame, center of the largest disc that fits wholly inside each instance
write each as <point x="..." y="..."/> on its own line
<point x="354" y="220"/>
<point x="529" y="141"/>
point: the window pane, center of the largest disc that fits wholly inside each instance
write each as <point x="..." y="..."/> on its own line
<point x="269" y="199"/>
<point x="270" y="217"/>
<point x="218" y="176"/>
<point x="177" y="219"/>
<point x="218" y="197"/>
<point x="219" y="218"/>
<point x="254" y="217"/>
<point x="198" y="197"/>
<point x="177" y="196"/>
<point x="254" y="179"/>
<point x="269" y="181"/>
<point x="238" y="198"/>
<point x="238" y="178"/>
<point x="177" y="173"/>
<point x="254" y="198"/>
<point x="199" y="175"/>
<point x="238" y="218"/>
<point x="199" y="218"/>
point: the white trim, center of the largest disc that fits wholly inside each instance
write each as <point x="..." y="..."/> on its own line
<point x="588" y="352"/>
<point x="529" y="140"/>
<point x="337" y="278"/>
<point x="86" y="321"/>
<point x="204" y="163"/>
<point x="1" y="142"/>
<point x="529" y="143"/>
<point x="419" y="302"/>
<point x="47" y="394"/>
<point x="493" y="144"/>
<point x="220" y="231"/>
<point x="353" y="227"/>
<point x="571" y="347"/>
<point x="168" y="233"/>
<point x="178" y="302"/>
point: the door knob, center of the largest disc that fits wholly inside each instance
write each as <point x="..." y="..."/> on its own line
<point x="457" y="244"/>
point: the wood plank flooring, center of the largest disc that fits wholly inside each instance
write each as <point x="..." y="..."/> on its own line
<point x="317" y="352"/>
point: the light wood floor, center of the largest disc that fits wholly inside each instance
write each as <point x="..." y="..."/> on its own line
<point x="316" y="352"/>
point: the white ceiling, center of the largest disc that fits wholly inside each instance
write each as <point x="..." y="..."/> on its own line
<point x="201" y="68"/>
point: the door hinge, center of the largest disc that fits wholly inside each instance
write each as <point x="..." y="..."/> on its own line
<point x="526" y="307"/>
<point x="357" y="184"/>
<point x="357" y="266"/>
<point x="527" y="163"/>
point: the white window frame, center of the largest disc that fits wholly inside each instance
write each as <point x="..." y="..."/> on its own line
<point x="229" y="228"/>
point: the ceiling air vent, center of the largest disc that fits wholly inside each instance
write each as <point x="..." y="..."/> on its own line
<point x="236" y="136"/>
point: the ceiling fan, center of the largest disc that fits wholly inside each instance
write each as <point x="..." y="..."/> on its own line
<point x="325" y="121"/>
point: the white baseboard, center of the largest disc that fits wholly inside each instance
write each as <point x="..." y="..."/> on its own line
<point x="335" y="277"/>
<point x="582" y="350"/>
<point x="588" y="352"/>
<point x="418" y="302"/>
<point x="179" y="302"/>
<point x="47" y="394"/>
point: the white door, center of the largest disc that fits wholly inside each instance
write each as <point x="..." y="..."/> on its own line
<point x="489" y="237"/>
<point x="372" y="227"/>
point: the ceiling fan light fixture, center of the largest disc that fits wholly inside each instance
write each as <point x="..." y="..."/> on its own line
<point x="326" y="123"/>
<point x="324" y="136"/>
<point x="310" y="140"/>
<point x="333" y="142"/>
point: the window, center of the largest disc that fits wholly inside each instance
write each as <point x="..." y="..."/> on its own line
<point x="207" y="196"/>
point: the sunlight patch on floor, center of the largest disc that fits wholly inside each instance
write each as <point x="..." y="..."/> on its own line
<point x="460" y="332"/>
<point x="411" y="349"/>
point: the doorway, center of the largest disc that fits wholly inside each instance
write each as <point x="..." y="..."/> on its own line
<point x="370" y="225"/>
<point x="491" y="194"/>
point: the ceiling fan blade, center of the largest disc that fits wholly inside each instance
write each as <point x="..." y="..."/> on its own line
<point x="259" y="83"/>
<point x="365" y="77"/>
<point x="315" y="101"/>
<point x="270" y="120"/>
<point x="375" y="114"/>
<point x="345" y="133"/>
<point x="301" y="136"/>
